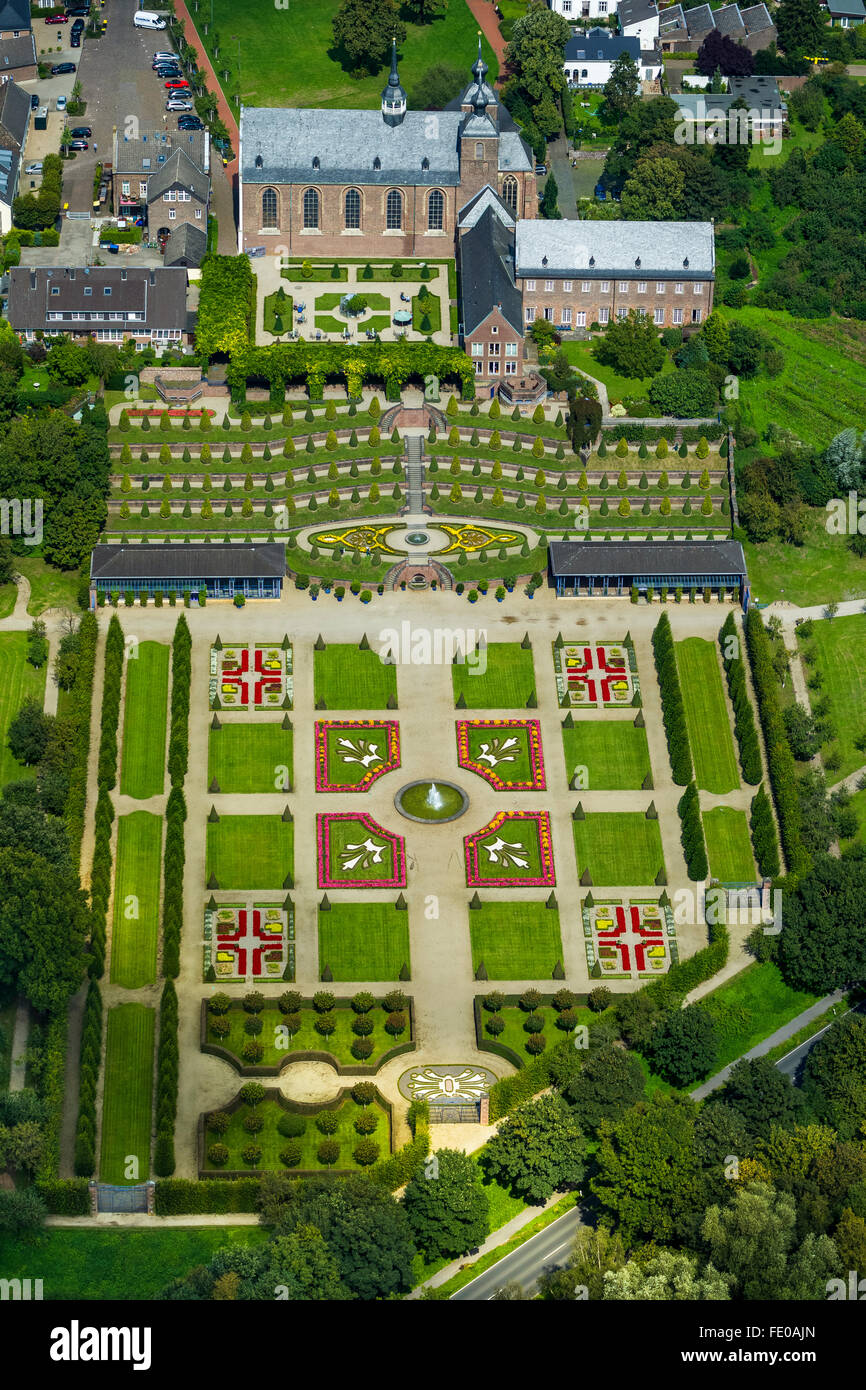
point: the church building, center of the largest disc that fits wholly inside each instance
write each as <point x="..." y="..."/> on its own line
<point x="387" y="184"/>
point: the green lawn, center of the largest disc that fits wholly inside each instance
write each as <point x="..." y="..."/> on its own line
<point x="515" y="941"/>
<point x="8" y="595"/>
<point x="582" y="357"/>
<point x="750" y="1007"/>
<point x="363" y="941"/>
<point x="432" y="307"/>
<point x="307" y="1039"/>
<point x="709" y="728"/>
<point x="840" y="646"/>
<point x="620" y="848"/>
<point x="819" y="571"/>
<point x="142" y="772"/>
<point x="515" y="1035"/>
<point x="315" y="77"/>
<point x="347" y="678"/>
<point x="126" y="1101"/>
<point x="275" y="305"/>
<point x="272" y="1143"/>
<point x="250" y="757"/>
<point x="613" y="752"/>
<point x="729" y="845"/>
<point x="135" y="932"/>
<point x="19" y="681"/>
<point x="821" y="386"/>
<point x="246" y="852"/>
<point x="118" y="1264"/>
<point x="324" y="302"/>
<point x="507" y="682"/>
<point x="49" y="588"/>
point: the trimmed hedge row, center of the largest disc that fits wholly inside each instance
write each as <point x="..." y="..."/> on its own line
<point x="166" y="1083"/>
<point x="523" y="1085"/>
<point x="673" y="710"/>
<point x="780" y="759"/>
<point x="764" y="839"/>
<point x="178" y="739"/>
<point x="52" y="1082"/>
<point x="90" y="1059"/>
<point x="81" y="700"/>
<point x="636" y="433"/>
<point x="187" y="1196"/>
<point x="100" y="872"/>
<point x="175" y="811"/>
<point x="65" y="1196"/>
<point x="692" y="833"/>
<point x="744" y="718"/>
<point x="400" y="1167"/>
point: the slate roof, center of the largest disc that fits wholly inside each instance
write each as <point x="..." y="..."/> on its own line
<point x="8" y="171"/>
<point x="605" y="249"/>
<point x="729" y="20"/>
<point x="487" y="273"/>
<point x="635" y="11"/>
<point x="853" y="9"/>
<point x="155" y="147"/>
<point x="470" y="212"/>
<point x="601" y="45"/>
<point x="699" y="20"/>
<point x="347" y="145"/>
<point x="14" y="115"/>
<point x="179" y="169"/>
<point x="672" y="18"/>
<point x="757" y="17"/>
<point x="15" y="14"/>
<point x="596" y="558"/>
<point x="187" y="243"/>
<point x="239" y="560"/>
<point x="159" y="294"/>
<point x="18" y="53"/>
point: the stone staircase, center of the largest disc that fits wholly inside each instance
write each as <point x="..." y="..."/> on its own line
<point x="414" y="474"/>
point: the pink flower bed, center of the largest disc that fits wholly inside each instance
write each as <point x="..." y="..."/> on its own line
<point x="472" y="845"/>
<point x="536" y="757"/>
<point x="324" y="781"/>
<point x="397" y="845"/>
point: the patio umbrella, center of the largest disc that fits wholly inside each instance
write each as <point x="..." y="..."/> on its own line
<point x="402" y="316"/>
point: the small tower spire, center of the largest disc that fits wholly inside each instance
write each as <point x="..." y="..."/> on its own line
<point x="479" y="67"/>
<point x="393" y="96"/>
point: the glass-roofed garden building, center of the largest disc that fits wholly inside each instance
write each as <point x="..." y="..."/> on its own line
<point x="583" y="569"/>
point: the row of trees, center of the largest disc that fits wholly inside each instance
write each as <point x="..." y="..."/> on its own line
<point x="692" y="833"/>
<point x="166" y="1082"/>
<point x="780" y="761"/>
<point x="106" y="779"/>
<point x="673" y="709"/>
<point x="744" y="718"/>
<point x="89" y="1062"/>
<point x="175" y="811"/>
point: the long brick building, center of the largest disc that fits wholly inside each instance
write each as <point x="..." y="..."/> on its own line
<point x="384" y="183"/>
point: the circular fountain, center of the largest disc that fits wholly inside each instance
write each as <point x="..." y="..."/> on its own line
<point x="430" y="801"/>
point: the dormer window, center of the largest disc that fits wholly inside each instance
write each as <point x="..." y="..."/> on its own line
<point x="686" y="263"/>
<point x="592" y="260"/>
<point x="259" y="162"/>
<point x="377" y="163"/>
<point x="425" y="163"/>
<point x="544" y="260"/>
<point x="637" y="261"/>
<point x="317" y="163"/>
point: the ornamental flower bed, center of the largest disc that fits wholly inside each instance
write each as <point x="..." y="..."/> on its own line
<point x="353" y="851"/>
<point x="351" y="754"/>
<point x="244" y="677"/>
<point x="246" y="941"/>
<point x="635" y="939"/>
<point x="174" y="412"/>
<point x="594" y="675"/>
<point x="514" y="849"/>
<point x="505" y="752"/>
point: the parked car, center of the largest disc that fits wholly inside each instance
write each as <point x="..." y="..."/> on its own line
<point x="81" y="132"/>
<point x="57" y="19"/>
<point x="77" y="26"/>
<point x="177" y="84"/>
<point x="170" y="57"/>
<point x="190" y="123"/>
<point x="540" y="170"/>
<point x="61" y="103"/>
<point x="34" y="168"/>
<point x="78" y="145"/>
<point x="178" y="104"/>
<point x="168" y="71"/>
<point x="60" y="68"/>
<point x="75" y="39"/>
<point x="34" y="101"/>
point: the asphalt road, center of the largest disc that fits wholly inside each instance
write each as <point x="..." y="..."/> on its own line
<point x="542" y="1254"/>
<point x="791" y="1064"/>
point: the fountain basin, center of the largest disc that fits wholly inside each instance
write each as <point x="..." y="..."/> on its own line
<point x="430" y="801"/>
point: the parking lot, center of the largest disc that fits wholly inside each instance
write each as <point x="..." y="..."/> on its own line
<point x="118" y="86"/>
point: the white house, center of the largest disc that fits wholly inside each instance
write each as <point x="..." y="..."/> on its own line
<point x="590" y="58"/>
<point x="575" y="10"/>
<point x="639" y="19"/>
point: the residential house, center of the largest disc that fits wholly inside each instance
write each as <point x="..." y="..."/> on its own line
<point x="14" y="124"/>
<point x="106" y="302"/>
<point x="177" y="196"/>
<point x="844" y="14"/>
<point x="590" y="58"/>
<point x="681" y="30"/>
<point x="639" y="19"/>
<point x="491" y="312"/>
<point x="707" y="119"/>
<point x="137" y="161"/>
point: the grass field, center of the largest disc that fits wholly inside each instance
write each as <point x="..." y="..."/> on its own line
<point x="613" y="751"/>
<point x="272" y="1143"/>
<point x="347" y="678"/>
<point x="142" y="772"/>
<point x="750" y="1007"/>
<point x="250" y="851"/>
<point x="581" y="356"/>
<point x="707" y="716"/>
<point x="364" y="941"/>
<point x="507" y="683"/>
<point x="729" y="845"/>
<point x="118" y="1264"/>
<point x="49" y="588"/>
<point x="307" y="1039"/>
<point x="821" y="386"/>
<point x="620" y="848"/>
<point x="126" y="1101"/>
<point x="516" y="941"/>
<point x="250" y="757"/>
<point x="19" y="681"/>
<point x="135" y="932"/>
<point x="840" y="646"/>
<point x="8" y="595"/>
<point x="315" y="77"/>
<point x="819" y="571"/>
